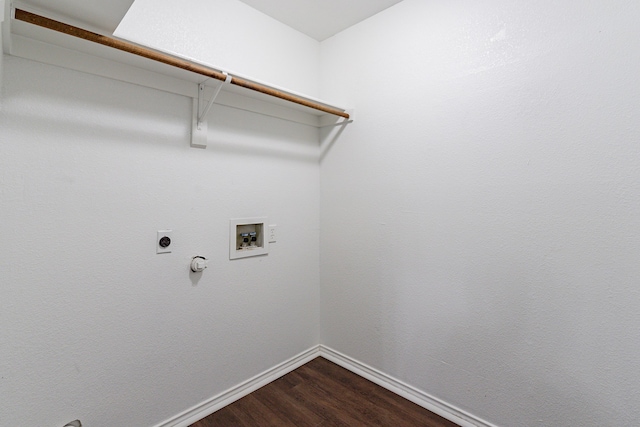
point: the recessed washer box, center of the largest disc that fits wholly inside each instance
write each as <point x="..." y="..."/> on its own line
<point x="247" y="237"/>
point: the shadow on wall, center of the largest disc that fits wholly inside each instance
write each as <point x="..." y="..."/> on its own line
<point x="122" y="127"/>
<point x="245" y="133"/>
<point x="158" y="118"/>
<point x="114" y="116"/>
<point x="329" y="135"/>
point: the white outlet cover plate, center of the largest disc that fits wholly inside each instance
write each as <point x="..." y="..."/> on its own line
<point x="160" y="235"/>
<point x="235" y="253"/>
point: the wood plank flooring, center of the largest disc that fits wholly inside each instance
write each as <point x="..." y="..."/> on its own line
<point x="322" y="394"/>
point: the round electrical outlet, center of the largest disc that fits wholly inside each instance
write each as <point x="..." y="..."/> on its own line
<point x="164" y="242"/>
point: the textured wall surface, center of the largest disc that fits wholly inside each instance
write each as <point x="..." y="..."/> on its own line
<point x="481" y="218"/>
<point x="227" y="34"/>
<point x="95" y="324"/>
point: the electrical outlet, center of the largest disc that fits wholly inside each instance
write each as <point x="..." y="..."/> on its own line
<point x="164" y="241"/>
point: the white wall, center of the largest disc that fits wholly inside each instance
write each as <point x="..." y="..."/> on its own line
<point x="230" y="35"/>
<point x="480" y="218"/>
<point x="478" y="222"/>
<point x="2" y="20"/>
<point x="95" y="325"/>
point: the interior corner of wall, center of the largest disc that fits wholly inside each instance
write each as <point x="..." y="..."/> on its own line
<point x="4" y="25"/>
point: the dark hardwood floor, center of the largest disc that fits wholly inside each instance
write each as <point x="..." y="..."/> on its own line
<point x="323" y="394"/>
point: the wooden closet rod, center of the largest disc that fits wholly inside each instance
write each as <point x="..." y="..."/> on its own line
<point x="41" y="21"/>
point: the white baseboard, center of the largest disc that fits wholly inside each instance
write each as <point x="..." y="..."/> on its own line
<point x="400" y="388"/>
<point x="225" y="398"/>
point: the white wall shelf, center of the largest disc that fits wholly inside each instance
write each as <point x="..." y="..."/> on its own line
<point x="26" y="40"/>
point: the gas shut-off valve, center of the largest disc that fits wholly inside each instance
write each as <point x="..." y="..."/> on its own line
<point x="198" y="264"/>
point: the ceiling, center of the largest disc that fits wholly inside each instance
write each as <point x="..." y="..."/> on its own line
<point x="103" y="15"/>
<point x="319" y="19"/>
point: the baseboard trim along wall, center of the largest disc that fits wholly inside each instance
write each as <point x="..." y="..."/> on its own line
<point x="225" y="398"/>
<point x="400" y="388"/>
